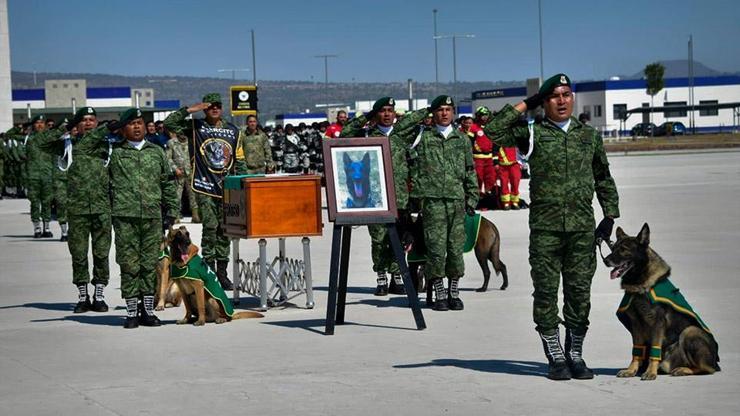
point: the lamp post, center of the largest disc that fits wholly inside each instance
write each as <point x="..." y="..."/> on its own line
<point x="454" y="38"/>
<point x="326" y="76"/>
<point x="436" y="60"/>
<point x="542" y="64"/>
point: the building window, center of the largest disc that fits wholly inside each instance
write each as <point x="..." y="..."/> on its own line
<point x="148" y="104"/>
<point x="674" y="113"/>
<point x="76" y="85"/>
<point x="65" y="85"/>
<point x="54" y="85"/>
<point x="709" y="112"/>
<point x="620" y="111"/>
<point x="597" y="111"/>
<point x="147" y="94"/>
<point x="587" y="109"/>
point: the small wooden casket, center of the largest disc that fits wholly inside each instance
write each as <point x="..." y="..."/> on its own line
<point x="266" y="206"/>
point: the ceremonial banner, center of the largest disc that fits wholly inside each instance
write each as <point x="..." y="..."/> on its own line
<point x="243" y="99"/>
<point x="213" y="149"/>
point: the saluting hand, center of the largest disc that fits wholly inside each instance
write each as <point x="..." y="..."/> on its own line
<point x="198" y="107"/>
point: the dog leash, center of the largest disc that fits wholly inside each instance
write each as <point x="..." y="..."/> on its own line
<point x="609" y="243"/>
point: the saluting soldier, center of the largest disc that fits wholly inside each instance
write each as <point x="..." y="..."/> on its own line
<point x="215" y="151"/>
<point x="443" y="180"/>
<point x="567" y="164"/>
<point x="381" y="122"/>
<point x="40" y="168"/>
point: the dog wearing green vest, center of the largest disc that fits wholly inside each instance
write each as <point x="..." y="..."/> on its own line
<point x="667" y="334"/>
<point x="202" y="295"/>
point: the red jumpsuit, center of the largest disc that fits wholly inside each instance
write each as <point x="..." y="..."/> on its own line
<point x="333" y="131"/>
<point x="511" y="174"/>
<point x="483" y="160"/>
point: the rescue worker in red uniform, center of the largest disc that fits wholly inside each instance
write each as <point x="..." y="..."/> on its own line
<point x="510" y="174"/>
<point x="483" y="153"/>
<point x="335" y="130"/>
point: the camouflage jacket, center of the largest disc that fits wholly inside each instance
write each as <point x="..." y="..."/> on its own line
<point x="87" y="176"/>
<point x="177" y="155"/>
<point x="401" y="135"/>
<point x="141" y="182"/>
<point x="256" y="152"/>
<point x="565" y="167"/>
<point x="14" y="140"/>
<point x="41" y="164"/>
<point x="178" y="123"/>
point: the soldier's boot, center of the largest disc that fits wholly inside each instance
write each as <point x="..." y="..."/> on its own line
<point x="440" y="293"/>
<point x="574" y="354"/>
<point x="37" y="231"/>
<point x="147" y="317"/>
<point x="396" y="287"/>
<point x="382" y="282"/>
<point x="83" y="302"/>
<point x="132" y="309"/>
<point x="195" y="219"/>
<point x="47" y="231"/>
<point x="223" y="275"/>
<point x="558" y="367"/>
<point x="99" y="304"/>
<point x="21" y="193"/>
<point x="65" y="231"/>
<point x="456" y="304"/>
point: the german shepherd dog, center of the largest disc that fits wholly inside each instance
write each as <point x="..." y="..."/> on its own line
<point x="678" y="341"/>
<point x="200" y="306"/>
<point x="358" y="181"/>
<point x="487" y="248"/>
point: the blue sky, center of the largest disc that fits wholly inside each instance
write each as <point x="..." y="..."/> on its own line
<point x="375" y="40"/>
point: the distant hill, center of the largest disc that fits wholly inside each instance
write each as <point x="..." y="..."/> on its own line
<point x="275" y="97"/>
<point x="679" y="68"/>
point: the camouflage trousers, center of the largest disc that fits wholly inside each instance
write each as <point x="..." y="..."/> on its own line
<point x="380" y="249"/>
<point x="40" y="193"/>
<point x="60" y="198"/>
<point x="182" y="185"/>
<point x="444" y="236"/>
<point x="83" y="228"/>
<point x="215" y="245"/>
<point x="137" y="251"/>
<point x="572" y="255"/>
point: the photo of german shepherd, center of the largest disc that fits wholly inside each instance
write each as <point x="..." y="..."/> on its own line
<point x="200" y="305"/>
<point x="667" y="335"/>
<point x="358" y="181"/>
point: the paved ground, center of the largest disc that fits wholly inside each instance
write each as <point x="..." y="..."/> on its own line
<point x="486" y="359"/>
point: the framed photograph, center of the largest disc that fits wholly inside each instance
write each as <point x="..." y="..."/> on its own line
<point x="359" y="180"/>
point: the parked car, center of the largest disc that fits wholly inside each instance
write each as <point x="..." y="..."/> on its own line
<point x="671" y="128"/>
<point x="643" y="129"/>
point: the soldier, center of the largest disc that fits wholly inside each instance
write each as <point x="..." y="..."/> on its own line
<point x="256" y="148"/>
<point x="443" y="180"/>
<point x="567" y="164"/>
<point x="292" y="148"/>
<point x="86" y="155"/>
<point x="60" y="197"/>
<point x="380" y="122"/>
<point x="214" y="149"/>
<point x="177" y="155"/>
<point x="141" y="184"/>
<point x="40" y="168"/>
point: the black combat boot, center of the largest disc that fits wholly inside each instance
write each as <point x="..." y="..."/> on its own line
<point x="147" y="317"/>
<point x="558" y="369"/>
<point x="440" y="303"/>
<point x="397" y="284"/>
<point x="382" y="281"/>
<point x="99" y="304"/>
<point x="132" y="309"/>
<point x="456" y="304"/>
<point x="574" y="354"/>
<point x="47" y="231"/>
<point x="65" y="229"/>
<point x="222" y="274"/>
<point x="83" y="304"/>
<point x="37" y="229"/>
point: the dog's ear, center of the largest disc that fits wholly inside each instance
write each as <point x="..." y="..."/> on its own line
<point x="644" y="236"/>
<point x="366" y="158"/>
<point x="620" y="233"/>
<point x="346" y="159"/>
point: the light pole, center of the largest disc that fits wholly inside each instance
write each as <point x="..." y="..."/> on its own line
<point x="542" y="64"/>
<point x="233" y="71"/>
<point x="326" y="76"/>
<point x="254" y="62"/>
<point x="436" y="60"/>
<point x="454" y="56"/>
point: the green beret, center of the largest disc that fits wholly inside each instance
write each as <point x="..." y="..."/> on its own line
<point x="39" y="117"/>
<point x="82" y="112"/>
<point x="129" y="115"/>
<point x="553" y="82"/>
<point x="482" y="110"/>
<point x="212" y="97"/>
<point x="442" y="100"/>
<point x="382" y="102"/>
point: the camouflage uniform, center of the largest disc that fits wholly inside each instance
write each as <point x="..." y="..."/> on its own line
<point x="13" y="140"/>
<point x="40" y="168"/>
<point x="178" y="158"/>
<point x="60" y="193"/>
<point x="88" y="204"/>
<point x="382" y="254"/>
<point x="140" y="183"/>
<point x="566" y="168"/>
<point x="257" y="152"/>
<point x="2" y="166"/>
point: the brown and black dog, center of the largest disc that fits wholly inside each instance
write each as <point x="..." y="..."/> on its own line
<point x="168" y="294"/>
<point x="200" y="306"/>
<point x="663" y="326"/>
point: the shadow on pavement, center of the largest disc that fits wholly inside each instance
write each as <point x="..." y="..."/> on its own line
<point x="312" y="325"/>
<point x="397" y="301"/>
<point x="350" y="289"/>
<point x="63" y="306"/>
<point x="514" y="367"/>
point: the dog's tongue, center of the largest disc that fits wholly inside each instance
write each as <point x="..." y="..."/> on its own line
<point x="358" y="190"/>
<point x="184" y="258"/>
<point x="614" y="273"/>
